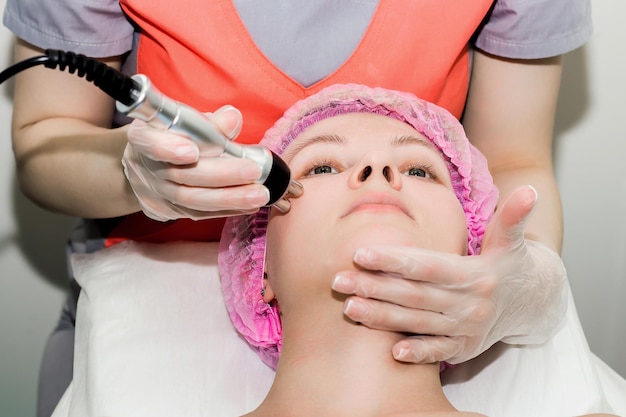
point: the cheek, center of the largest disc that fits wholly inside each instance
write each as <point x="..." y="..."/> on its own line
<point x="452" y="226"/>
<point x="296" y="241"/>
<point x="278" y="246"/>
<point x="440" y="219"/>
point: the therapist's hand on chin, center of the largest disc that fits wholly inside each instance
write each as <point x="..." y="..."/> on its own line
<point x="458" y="306"/>
<point x="174" y="177"/>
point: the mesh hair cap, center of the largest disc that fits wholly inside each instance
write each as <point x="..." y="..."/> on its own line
<point x="242" y="247"/>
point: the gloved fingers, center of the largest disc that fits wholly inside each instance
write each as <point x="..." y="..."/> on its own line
<point x="203" y="215"/>
<point x="381" y="315"/>
<point x="430" y="349"/>
<point x="506" y="229"/>
<point x="162" y="145"/>
<point x="166" y="146"/>
<point x="228" y="120"/>
<point x="209" y="172"/>
<point x="243" y="197"/>
<point x="160" y="210"/>
<point x="418" y="264"/>
<point x="402" y="292"/>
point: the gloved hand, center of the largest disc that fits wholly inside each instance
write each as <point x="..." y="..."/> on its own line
<point x="174" y="177"/>
<point x="459" y="306"/>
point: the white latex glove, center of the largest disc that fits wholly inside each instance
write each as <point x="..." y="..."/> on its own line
<point x="173" y="177"/>
<point x="459" y="306"/>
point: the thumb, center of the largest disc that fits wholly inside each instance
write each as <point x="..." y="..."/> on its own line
<point x="229" y="120"/>
<point x="506" y="229"/>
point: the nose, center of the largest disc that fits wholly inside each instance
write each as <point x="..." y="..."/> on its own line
<point x="370" y="173"/>
<point x="367" y="171"/>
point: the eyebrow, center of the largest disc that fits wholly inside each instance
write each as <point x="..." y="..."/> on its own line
<point x="335" y="139"/>
<point x="414" y="140"/>
<point x="341" y="140"/>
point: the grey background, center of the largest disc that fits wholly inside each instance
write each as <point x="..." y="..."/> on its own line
<point x="590" y="147"/>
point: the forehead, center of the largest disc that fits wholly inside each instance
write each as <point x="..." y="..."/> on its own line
<point x="359" y="123"/>
<point x="363" y="126"/>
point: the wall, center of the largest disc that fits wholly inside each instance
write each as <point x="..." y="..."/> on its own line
<point x="590" y="150"/>
<point x="32" y="271"/>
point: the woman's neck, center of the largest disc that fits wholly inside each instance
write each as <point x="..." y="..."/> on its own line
<point x="333" y="367"/>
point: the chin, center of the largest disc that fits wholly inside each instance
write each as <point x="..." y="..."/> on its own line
<point x="343" y="253"/>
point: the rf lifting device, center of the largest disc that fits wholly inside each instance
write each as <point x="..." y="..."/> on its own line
<point x="136" y="97"/>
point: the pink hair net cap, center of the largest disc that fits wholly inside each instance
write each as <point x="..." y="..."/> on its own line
<point x="241" y="255"/>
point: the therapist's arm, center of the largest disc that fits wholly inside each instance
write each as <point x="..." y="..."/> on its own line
<point x="70" y="161"/>
<point x="510" y="116"/>
<point x="67" y="158"/>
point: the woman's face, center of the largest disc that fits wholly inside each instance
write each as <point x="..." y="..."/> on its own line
<point x="368" y="180"/>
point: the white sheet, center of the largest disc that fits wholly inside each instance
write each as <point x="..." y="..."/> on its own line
<point x="153" y="339"/>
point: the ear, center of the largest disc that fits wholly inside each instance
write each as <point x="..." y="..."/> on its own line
<point x="268" y="292"/>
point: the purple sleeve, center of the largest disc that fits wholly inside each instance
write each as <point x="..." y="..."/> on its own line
<point x="528" y="29"/>
<point x="96" y="28"/>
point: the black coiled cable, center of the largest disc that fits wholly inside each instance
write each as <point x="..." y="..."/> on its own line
<point x="113" y="82"/>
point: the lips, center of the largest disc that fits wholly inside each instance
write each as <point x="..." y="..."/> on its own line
<point x="377" y="202"/>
